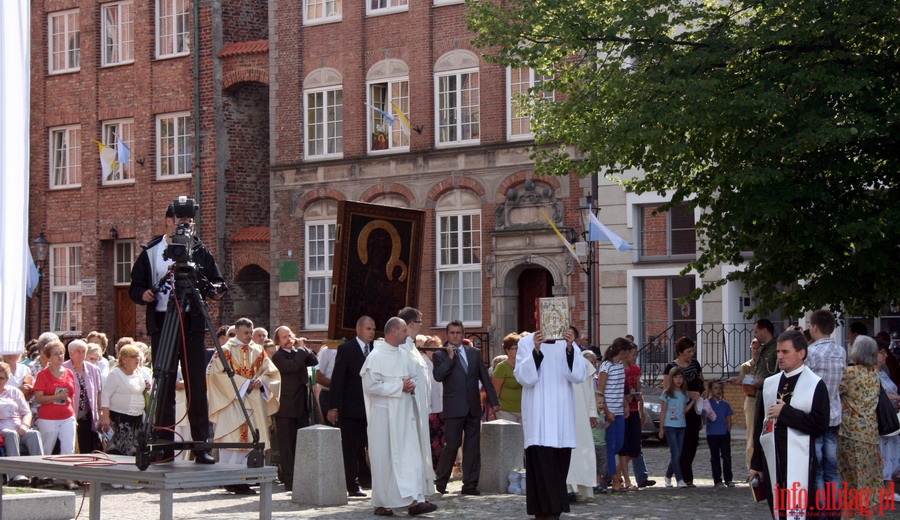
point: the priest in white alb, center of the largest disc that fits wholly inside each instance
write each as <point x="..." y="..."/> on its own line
<point x="414" y="325"/>
<point x="583" y="469"/>
<point x="548" y="372"/>
<point x="793" y="411"/>
<point x="400" y="466"/>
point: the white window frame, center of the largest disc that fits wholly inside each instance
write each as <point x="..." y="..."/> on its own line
<point x="117" y="24"/>
<point x="182" y="143"/>
<point x="65" y="159"/>
<point x="173" y="27"/>
<point x="333" y="11"/>
<point x="69" y="48"/>
<point x="337" y="139"/>
<point x="124" y="129"/>
<point x="470" y="270"/>
<point x="448" y="2"/>
<point x="397" y="141"/>
<point x="458" y="110"/>
<point x="380" y="7"/>
<point x="513" y="112"/>
<point x="320" y="251"/>
<point x="65" y="288"/>
<point x="123" y="259"/>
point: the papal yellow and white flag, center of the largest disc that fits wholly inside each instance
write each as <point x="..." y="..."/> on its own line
<point x="108" y="160"/>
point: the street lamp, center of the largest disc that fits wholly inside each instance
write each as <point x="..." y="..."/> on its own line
<point x="585" y="211"/>
<point x="40" y="247"/>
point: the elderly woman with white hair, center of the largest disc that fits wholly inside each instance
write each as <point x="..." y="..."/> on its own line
<point x="858" y="447"/>
<point x="86" y="399"/>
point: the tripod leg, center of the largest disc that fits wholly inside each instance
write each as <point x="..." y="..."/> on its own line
<point x="165" y="361"/>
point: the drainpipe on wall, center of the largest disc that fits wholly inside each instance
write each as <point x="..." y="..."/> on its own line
<point x="196" y="158"/>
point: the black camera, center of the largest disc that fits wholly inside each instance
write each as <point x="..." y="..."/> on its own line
<point x="182" y="241"/>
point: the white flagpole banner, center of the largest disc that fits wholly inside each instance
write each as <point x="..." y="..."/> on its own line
<point x="600" y="232"/>
<point x="15" y="82"/>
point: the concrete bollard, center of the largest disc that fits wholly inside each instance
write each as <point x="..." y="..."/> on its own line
<point x="319" y="467"/>
<point x="502" y="450"/>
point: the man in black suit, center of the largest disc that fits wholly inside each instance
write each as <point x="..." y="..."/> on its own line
<point x="292" y="362"/>
<point x="460" y="369"/>
<point x="348" y="407"/>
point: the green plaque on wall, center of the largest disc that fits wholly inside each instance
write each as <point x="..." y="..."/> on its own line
<point x="287" y="271"/>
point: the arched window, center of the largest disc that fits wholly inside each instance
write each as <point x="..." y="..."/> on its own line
<point x="388" y="106"/>
<point x="457" y="98"/>
<point x="458" y="258"/>
<point x="321" y="218"/>
<point x="324" y="111"/>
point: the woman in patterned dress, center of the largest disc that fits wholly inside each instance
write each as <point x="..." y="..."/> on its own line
<point x="858" y="449"/>
<point x="890" y="445"/>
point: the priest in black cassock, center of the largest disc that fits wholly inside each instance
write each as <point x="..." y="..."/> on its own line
<point x="792" y="412"/>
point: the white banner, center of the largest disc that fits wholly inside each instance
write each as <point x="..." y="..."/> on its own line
<point x="15" y="80"/>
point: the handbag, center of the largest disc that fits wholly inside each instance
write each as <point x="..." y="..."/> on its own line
<point x="887" y="417"/>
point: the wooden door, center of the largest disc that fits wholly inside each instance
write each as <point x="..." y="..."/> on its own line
<point x="125" y="315"/>
<point x="533" y="283"/>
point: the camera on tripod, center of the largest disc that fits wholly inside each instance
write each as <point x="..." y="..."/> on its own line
<point x="182" y="241"/>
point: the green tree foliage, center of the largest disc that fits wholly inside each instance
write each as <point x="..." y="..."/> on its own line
<point x="778" y="118"/>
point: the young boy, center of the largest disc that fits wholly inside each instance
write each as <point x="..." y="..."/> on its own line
<point x="718" y="434"/>
<point x="599" y="433"/>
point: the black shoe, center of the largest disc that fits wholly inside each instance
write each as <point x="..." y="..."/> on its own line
<point x="573" y="497"/>
<point x="19" y="480"/>
<point x="471" y="491"/>
<point x="691" y="485"/>
<point x="441" y="489"/>
<point x="240" y="489"/>
<point x="357" y="493"/>
<point x="421" y="508"/>
<point x="384" y="511"/>
<point x="647" y="483"/>
<point x="203" y="457"/>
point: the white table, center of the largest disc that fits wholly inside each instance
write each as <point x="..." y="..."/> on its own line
<point x="167" y="478"/>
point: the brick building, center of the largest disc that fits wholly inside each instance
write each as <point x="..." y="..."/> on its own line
<point x="190" y="101"/>
<point x="271" y="112"/>
<point x="344" y="76"/>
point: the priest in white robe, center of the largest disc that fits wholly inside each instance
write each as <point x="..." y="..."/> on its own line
<point x="259" y="382"/>
<point x="793" y="411"/>
<point x="390" y="377"/>
<point x="414" y="325"/>
<point x="548" y="373"/>
<point x="583" y="469"/>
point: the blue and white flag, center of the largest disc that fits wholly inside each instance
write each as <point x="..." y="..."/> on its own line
<point x="599" y="232"/>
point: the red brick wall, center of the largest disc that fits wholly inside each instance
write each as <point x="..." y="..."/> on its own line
<point x="140" y="90"/>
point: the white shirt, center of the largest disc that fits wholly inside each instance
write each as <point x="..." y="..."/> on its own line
<point x="326" y="362"/>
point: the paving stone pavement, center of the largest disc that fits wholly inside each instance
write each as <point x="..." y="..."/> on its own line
<point x="657" y="502"/>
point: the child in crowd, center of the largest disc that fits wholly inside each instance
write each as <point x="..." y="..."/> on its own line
<point x="599" y="433"/>
<point x="718" y="434"/>
<point x="673" y="402"/>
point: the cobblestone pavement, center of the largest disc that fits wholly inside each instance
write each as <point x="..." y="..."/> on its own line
<point x="657" y="502"/>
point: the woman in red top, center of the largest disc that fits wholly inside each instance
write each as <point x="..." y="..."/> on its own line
<point x="53" y="391"/>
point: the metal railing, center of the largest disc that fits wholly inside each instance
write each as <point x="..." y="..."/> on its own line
<point x="721" y="349"/>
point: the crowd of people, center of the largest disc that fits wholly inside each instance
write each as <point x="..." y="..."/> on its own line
<point x="815" y="447"/>
<point x="410" y="408"/>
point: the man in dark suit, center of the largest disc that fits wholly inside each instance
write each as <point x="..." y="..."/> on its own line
<point x="348" y="407"/>
<point x="460" y="369"/>
<point x="292" y="362"/>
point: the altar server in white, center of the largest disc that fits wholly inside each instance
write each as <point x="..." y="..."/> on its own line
<point x="547" y="373"/>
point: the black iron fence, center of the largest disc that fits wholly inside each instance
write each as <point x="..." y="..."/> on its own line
<point x="721" y="349"/>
